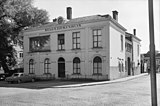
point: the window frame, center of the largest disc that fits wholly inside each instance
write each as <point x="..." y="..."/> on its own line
<point x="46" y="65"/>
<point x="122" y="41"/>
<point x="76" y="65"/>
<point x="31" y="66"/>
<point x="36" y="41"/>
<point x="97" y="38"/>
<point x="75" y="38"/>
<point x="61" y="42"/>
<point x="97" y="66"/>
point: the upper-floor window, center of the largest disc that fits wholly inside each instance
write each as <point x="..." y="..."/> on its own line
<point x="121" y="42"/>
<point x="128" y="47"/>
<point x="76" y="40"/>
<point x="31" y="66"/>
<point x="61" y="42"/>
<point x="20" y="55"/>
<point x="137" y="50"/>
<point x="97" y="38"/>
<point x="46" y="65"/>
<point x="76" y="65"/>
<point x="41" y="43"/>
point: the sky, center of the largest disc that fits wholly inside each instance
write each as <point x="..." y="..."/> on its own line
<point x="132" y="14"/>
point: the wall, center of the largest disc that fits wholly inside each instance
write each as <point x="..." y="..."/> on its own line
<point x="136" y="57"/>
<point x="116" y="54"/>
<point x="86" y="53"/>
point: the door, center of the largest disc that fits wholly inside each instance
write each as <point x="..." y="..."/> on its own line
<point x="129" y="66"/>
<point x="61" y="67"/>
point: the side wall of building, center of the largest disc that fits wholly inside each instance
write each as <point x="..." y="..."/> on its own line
<point x="136" y="57"/>
<point x="117" y="52"/>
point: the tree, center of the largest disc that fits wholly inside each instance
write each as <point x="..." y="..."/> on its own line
<point x="16" y="16"/>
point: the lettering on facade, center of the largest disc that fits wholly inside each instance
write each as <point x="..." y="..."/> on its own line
<point x="63" y="27"/>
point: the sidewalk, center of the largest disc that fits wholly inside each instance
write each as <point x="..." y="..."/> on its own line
<point x="102" y="82"/>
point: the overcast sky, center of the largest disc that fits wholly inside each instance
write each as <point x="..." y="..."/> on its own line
<point x="131" y="14"/>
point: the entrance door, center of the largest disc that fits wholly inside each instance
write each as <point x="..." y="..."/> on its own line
<point x="61" y="67"/>
<point x="129" y="66"/>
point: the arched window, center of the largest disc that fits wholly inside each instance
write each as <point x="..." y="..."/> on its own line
<point x="97" y="65"/>
<point x="76" y="65"/>
<point x="31" y="66"/>
<point x="46" y="65"/>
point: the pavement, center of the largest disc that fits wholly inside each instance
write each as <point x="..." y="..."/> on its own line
<point x="102" y="82"/>
<point x="65" y="84"/>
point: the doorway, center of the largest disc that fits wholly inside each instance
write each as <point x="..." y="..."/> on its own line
<point x="129" y="65"/>
<point x="61" y="67"/>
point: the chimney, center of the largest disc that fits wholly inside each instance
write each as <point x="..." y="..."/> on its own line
<point x="115" y="15"/>
<point x="69" y="13"/>
<point x="134" y="32"/>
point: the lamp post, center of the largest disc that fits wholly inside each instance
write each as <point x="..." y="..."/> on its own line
<point x="152" y="55"/>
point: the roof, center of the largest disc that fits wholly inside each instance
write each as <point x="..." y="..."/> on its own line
<point x="134" y="36"/>
<point x="148" y="54"/>
<point x="86" y="19"/>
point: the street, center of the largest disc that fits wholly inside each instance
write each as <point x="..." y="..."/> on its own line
<point x="134" y="92"/>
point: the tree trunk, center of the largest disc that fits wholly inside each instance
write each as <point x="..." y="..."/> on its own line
<point x="4" y="65"/>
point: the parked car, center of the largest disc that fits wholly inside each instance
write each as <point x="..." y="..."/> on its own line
<point x="3" y="76"/>
<point x="20" y="77"/>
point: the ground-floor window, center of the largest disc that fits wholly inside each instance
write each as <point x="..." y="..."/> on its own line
<point x="76" y="65"/>
<point x="46" y="65"/>
<point x="31" y="66"/>
<point x="97" y="65"/>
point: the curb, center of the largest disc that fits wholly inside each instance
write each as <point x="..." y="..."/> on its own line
<point x="102" y="82"/>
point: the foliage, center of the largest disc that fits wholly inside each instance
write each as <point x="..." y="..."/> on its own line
<point x="16" y="16"/>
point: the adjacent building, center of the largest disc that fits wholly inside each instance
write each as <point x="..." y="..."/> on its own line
<point x="132" y="58"/>
<point x="145" y="61"/>
<point x="91" y="47"/>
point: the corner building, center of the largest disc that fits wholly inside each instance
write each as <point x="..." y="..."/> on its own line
<point x="91" y="47"/>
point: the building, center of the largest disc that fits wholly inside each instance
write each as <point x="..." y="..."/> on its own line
<point x="91" y="47"/>
<point x="132" y="58"/>
<point x="145" y="59"/>
<point x="19" y="58"/>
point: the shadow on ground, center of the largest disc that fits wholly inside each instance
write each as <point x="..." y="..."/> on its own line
<point x="42" y="84"/>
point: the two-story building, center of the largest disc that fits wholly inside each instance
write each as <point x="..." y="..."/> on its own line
<point x="91" y="47"/>
<point x="132" y="58"/>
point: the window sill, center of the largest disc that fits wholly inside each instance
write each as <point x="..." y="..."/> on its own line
<point x="31" y="73"/>
<point x="76" y="49"/>
<point x="76" y="74"/>
<point x="97" y="74"/>
<point x="61" y="50"/>
<point x="97" y="48"/>
<point x="39" y="51"/>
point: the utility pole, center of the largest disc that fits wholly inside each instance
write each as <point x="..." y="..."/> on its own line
<point x="152" y="55"/>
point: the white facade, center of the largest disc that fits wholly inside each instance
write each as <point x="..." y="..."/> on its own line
<point x="19" y="56"/>
<point x="101" y="49"/>
<point x="136" y="55"/>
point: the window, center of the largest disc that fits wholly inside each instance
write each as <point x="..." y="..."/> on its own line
<point x="97" y="38"/>
<point x="76" y="40"/>
<point x="61" y="42"/>
<point x="121" y="42"/>
<point x="119" y="66"/>
<point x="137" y="50"/>
<point x="46" y="65"/>
<point x="20" y="55"/>
<point x="31" y="66"/>
<point x="41" y="43"/>
<point x="76" y="65"/>
<point x="128" y="47"/>
<point x="97" y="65"/>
